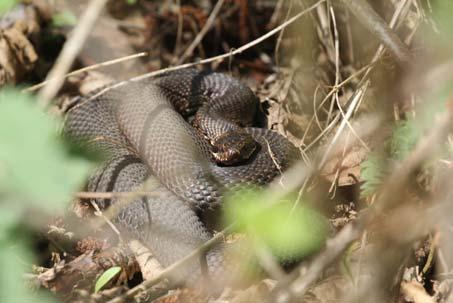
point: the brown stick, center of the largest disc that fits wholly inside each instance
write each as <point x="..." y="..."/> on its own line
<point x="111" y="195"/>
<point x="202" y="32"/>
<point x="89" y="68"/>
<point x="167" y="272"/>
<point x="375" y="24"/>
<point x="70" y="50"/>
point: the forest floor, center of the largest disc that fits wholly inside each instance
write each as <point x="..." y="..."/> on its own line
<point x="363" y="91"/>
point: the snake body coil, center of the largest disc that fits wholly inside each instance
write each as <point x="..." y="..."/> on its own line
<point x="143" y="128"/>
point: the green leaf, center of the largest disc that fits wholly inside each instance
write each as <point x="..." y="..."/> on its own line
<point x="444" y="23"/>
<point x="407" y="133"/>
<point x="14" y="257"/>
<point x="404" y="138"/>
<point x="106" y="277"/>
<point x="11" y="283"/>
<point x="6" y="5"/>
<point x="131" y="2"/>
<point x="65" y="18"/>
<point x="9" y="216"/>
<point x="289" y="233"/>
<point x="35" y="169"/>
<point x="372" y="172"/>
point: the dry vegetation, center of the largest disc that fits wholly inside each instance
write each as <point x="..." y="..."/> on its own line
<point x="362" y="88"/>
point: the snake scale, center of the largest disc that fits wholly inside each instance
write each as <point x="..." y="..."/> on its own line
<point x="164" y="128"/>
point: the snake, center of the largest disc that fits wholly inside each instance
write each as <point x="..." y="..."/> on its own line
<point x="191" y="133"/>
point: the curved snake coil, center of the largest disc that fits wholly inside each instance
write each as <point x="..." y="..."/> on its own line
<point x="143" y="128"/>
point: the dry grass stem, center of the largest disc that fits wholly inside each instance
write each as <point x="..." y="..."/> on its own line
<point x="375" y="24"/>
<point x="69" y="52"/>
<point x="209" y="23"/>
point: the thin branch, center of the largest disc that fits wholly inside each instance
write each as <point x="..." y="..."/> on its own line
<point x="375" y="24"/>
<point x="112" y="195"/>
<point x="107" y="220"/>
<point x="202" y="32"/>
<point x="179" y="30"/>
<point x="393" y="25"/>
<point x="167" y="272"/>
<point x="70" y="50"/>
<point x="148" y="188"/>
<point x="280" y="36"/>
<point x="365" y="70"/>
<point x="334" y="248"/>
<point x="355" y="100"/>
<point x="88" y="68"/>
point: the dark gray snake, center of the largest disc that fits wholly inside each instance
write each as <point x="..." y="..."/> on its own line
<point x="143" y="128"/>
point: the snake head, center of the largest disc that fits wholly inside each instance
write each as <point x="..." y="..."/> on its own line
<point x="233" y="147"/>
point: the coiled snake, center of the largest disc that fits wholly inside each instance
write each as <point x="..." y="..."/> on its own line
<point x="143" y="128"/>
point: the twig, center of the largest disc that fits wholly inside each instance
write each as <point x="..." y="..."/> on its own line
<point x="393" y="24"/>
<point x="280" y="36"/>
<point x="268" y="261"/>
<point x="167" y="272"/>
<point x="349" y="124"/>
<point x="365" y="70"/>
<point x="322" y="134"/>
<point x="207" y="26"/>
<point x="276" y="13"/>
<point x="112" y="195"/>
<point x="326" y="98"/>
<point x="143" y="190"/>
<point x="355" y="100"/>
<point x="334" y="248"/>
<point x="374" y="23"/>
<point x="88" y="68"/>
<point x="70" y="50"/>
<point x="179" y="30"/>
<point x="107" y="220"/>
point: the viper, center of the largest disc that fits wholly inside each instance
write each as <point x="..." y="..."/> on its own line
<point x="193" y="133"/>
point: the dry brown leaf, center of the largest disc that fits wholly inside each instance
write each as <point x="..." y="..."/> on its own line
<point x="17" y="56"/>
<point x="345" y="167"/>
<point x="183" y="296"/>
<point x="327" y="291"/>
<point x="415" y="292"/>
<point x="81" y="273"/>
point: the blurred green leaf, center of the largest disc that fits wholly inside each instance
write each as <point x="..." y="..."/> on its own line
<point x="12" y="288"/>
<point x="372" y="172"/>
<point x="35" y="171"/>
<point x="34" y="166"/>
<point x="106" y="277"/>
<point x="6" y="5"/>
<point x="65" y="18"/>
<point x="404" y="138"/>
<point x="131" y="2"/>
<point x="289" y="233"/>
<point x="14" y="257"/>
<point x="9" y="216"/>
<point x="407" y="133"/>
<point x="443" y="10"/>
